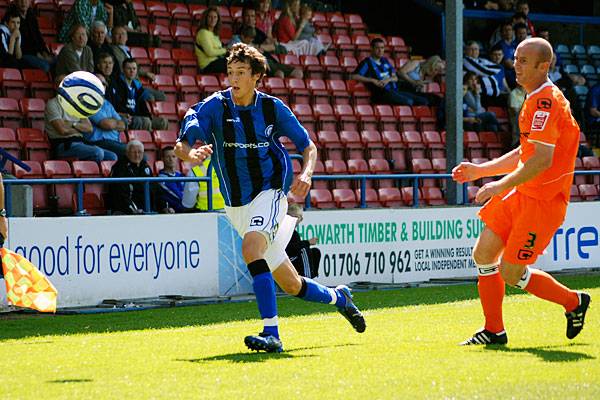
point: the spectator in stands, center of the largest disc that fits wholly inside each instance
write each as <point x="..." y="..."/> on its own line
<point x="84" y="12"/>
<point x="592" y="112"/>
<point x="520" y="32"/>
<point x="195" y="194"/>
<point x="567" y="82"/>
<point x="66" y="133"/>
<point x="415" y="74"/>
<point x="544" y="33"/>
<point x="10" y="40"/>
<point x="275" y="68"/>
<point x="307" y="29"/>
<point x="98" y="42"/>
<point x="475" y="117"/>
<point x="265" y="17"/>
<point x="209" y="49"/>
<point x="288" y="31"/>
<point x="124" y="15"/>
<point x="128" y="197"/>
<point x="507" y="44"/>
<point x="516" y="98"/>
<point x="107" y="125"/>
<point x="171" y="193"/>
<point x="381" y="78"/>
<point x="127" y="96"/>
<point x="121" y="52"/>
<point x="497" y="95"/>
<point x="106" y="67"/>
<point x="522" y="6"/>
<point x="517" y="18"/>
<point x="305" y="258"/>
<point x="486" y="70"/>
<point x="76" y="55"/>
<point x="35" y="52"/>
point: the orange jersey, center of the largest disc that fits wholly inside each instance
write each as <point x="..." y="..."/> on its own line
<point x="546" y="118"/>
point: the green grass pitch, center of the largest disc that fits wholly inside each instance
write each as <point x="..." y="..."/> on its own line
<point x="409" y="351"/>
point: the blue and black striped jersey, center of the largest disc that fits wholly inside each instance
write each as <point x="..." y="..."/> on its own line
<point x="248" y="156"/>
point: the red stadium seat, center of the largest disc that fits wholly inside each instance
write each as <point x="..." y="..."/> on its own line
<point x="352" y="143"/>
<point x="141" y="56"/>
<point x="381" y="166"/>
<point x="12" y="83"/>
<point x="371" y="197"/>
<point x="187" y="88"/>
<point x="433" y="196"/>
<point x="408" y="197"/>
<point x="35" y="144"/>
<point x="360" y="93"/>
<point x="89" y="169"/>
<point x="304" y="112"/>
<point x="62" y="193"/>
<point x="321" y="198"/>
<point x="165" y="84"/>
<point x="186" y="61"/>
<point x="10" y="115"/>
<point x="390" y="197"/>
<point x="588" y="192"/>
<point x="435" y="147"/>
<point x="592" y="163"/>
<point x="318" y="91"/>
<point x="347" y="120"/>
<point x="39" y="84"/>
<point x="492" y="144"/>
<point x="208" y="83"/>
<point x="426" y="118"/>
<point x="414" y="142"/>
<point x="575" y="197"/>
<point x="333" y="67"/>
<point x="358" y="166"/>
<point x="325" y="117"/>
<point x="106" y="167"/>
<point x="165" y="138"/>
<point x="439" y="165"/>
<point x="8" y="141"/>
<point x="40" y="192"/>
<point x="473" y="146"/>
<point x="373" y="144"/>
<point x="92" y="204"/>
<point x="344" y="198"/>
<point x="33" y="109"/>
<point x="406" y="120"/>
<point x="167" y="110"/>
<point x="366" y="116"/>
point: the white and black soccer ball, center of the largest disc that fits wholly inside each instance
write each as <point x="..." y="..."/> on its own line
<point x="81" y="94"/>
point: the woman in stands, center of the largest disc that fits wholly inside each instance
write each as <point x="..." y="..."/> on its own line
<point x="208" y="47"/>
<point x="290" y="26"/>
<point x="265" y="18"/>
<point x="418" y="73"/>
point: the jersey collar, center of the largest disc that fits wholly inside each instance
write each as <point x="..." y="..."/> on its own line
<point x="237" y="107"/>
<point x="539" y="89"/>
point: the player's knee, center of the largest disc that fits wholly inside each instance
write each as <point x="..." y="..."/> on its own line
<point x="252" y="249"/>
<point x="511" y="275"/>
<point x="481" y="257"/>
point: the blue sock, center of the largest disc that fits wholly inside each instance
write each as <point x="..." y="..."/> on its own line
<point x="313" y="291"/>
<point x="264" y="289"/>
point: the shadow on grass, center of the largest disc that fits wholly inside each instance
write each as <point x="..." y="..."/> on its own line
<point x="255" y="357"/>
<point x="70" y="381"/>
<point x="548" y="353"/>
<point x="176" y="317"/>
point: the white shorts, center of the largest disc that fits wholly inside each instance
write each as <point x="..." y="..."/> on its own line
<point x="266" y="214"/>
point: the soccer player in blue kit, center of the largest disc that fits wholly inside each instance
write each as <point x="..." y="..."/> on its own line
<point x="240" y="127"/>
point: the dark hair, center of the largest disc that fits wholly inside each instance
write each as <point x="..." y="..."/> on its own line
<point x="520" y="25"/>
<point x="203" y="24"/>
<point x="10" y="14"/>
<point x="248" y="31"/>
<point x="248" y="5"/>
<point x="468" y="76"/>
<point x="129" y="61"/>
<point x="104" y="55"/>
<point x="376" y="41"/>
<point x="519" y="15"/>
<point x="521" y="2"/>
<point x="74" y="28"/>
<point x="542" y="29"/>
<point x="506" y="23"/>
<point x="164" y="150"/>
<point x="241" y="52"/>
<point x="496" y="48"/>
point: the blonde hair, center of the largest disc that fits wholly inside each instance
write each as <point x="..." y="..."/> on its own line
<point x="428" y="66"/>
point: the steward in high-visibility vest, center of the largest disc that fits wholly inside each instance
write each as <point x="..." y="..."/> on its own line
<point x="202" y="197"/>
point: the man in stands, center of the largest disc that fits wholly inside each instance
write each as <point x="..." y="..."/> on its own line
<point x="76" y="55"/>
<point x="35" y="52"/>
<point x="127" y="96"/>
<point x="380" y="76"/>
<point x="171" y="193"/>
<point x="98" y="42"/>
<point x="66" y="134"/>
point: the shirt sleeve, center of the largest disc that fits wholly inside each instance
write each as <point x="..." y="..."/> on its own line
<point x="362" y="68"/>
<point x="53" y="111"/>
<point x="544" y="121"/>
<point x="288" y="124"/>
<point x="196" y="124"/>
<point x="190" y="192"/>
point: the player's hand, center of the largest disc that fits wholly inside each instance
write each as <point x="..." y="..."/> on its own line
<point x="301" y="185"/>
<point x="466" y="172"/>
<point x="487" y="191"/>
<point x="313" y="241"/>
<point x="200" y="154"/>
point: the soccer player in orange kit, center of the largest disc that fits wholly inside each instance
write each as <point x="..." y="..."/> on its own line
<point x="529" y="203"/>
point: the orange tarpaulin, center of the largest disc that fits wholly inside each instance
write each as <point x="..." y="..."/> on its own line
<point x="26" y="286"/>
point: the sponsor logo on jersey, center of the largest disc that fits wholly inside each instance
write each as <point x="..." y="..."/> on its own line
<point x="257" y="221"/>
<point x="236" y="119"/>
<point x="246" y="145"/>
<point x="540" y="118"/>
<point x="544" y="103"/>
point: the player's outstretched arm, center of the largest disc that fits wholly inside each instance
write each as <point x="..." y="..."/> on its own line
<point x="540" y="161"/>
<point x="467" y="172"/>
<point x="195" y="156"/>
<point x="302" y="183"/>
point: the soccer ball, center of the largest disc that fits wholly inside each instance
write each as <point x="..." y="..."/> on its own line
<point x="81" y="94"/>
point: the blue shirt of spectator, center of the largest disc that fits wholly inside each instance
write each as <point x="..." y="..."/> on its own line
<point x="377" y="69"/>
<point x="592" y="101"/>
<point x="171" y="193"/>
<point x="107" y="111"/>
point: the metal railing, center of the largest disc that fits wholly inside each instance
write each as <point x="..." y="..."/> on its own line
<point x="80" y="182"/>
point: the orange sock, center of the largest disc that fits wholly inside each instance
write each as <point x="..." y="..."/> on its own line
<point x="544" y="286"/>
<point x="491" y="294"/>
